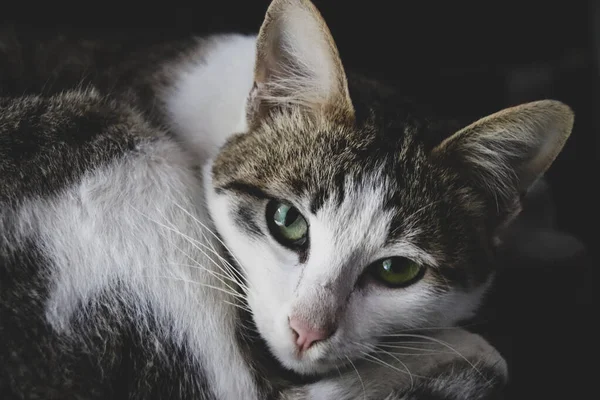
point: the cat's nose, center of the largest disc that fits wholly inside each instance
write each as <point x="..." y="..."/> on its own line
<point x="306" y="334"/>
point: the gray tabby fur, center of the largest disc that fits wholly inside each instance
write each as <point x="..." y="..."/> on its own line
<point x="113" y="283"/>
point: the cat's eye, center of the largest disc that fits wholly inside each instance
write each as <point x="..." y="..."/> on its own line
<point x="396" y="271"/>
<point x="286" y="223"/>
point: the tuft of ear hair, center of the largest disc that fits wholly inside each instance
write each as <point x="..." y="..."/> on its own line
<point x="507" y="152"/>
<point x="297" y="63"/>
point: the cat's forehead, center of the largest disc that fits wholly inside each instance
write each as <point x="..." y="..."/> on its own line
<point x="290" y="151"/>
<point x="295" y="149"/>
<point x="373" y="176"/>
<point x="349" y="169"/>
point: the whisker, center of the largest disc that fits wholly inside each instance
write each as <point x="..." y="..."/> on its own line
<point x="359" y="378"/>
<point x="339" y="371"/>
<point x="233" y="273"/>
<point x="403" y="354"/>
<point x="372" y="358"/>
<point x="231" y="269"/>
<point x="211" y="232"/>
<point x="226" y="276"/>
<point x="412" y="380"/>
<point x="242" y="279"/>
<point x="387" y="364"/>
<point x="190" y="240"/>
<point x="431" y="351"/>
<point x="438" y="328"/>
<point x="206" y="285"/>
<point x="200" y="268"/>
<point x="196" y="243"/>
<point x="242" y="307"/>
<point x="432" y="328"/>
<point x="447" y="345"/>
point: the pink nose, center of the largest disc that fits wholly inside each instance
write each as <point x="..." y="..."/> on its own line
<point x="306" y="335"/>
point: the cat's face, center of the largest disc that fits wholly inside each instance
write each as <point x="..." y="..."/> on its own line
<point x="345" y="235"/>
<point x="349" y="229"/>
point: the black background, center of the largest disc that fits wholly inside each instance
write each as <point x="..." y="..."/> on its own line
<point x="468" y="61"/>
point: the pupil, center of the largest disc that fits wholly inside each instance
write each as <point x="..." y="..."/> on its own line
<point x="291" y="216"/>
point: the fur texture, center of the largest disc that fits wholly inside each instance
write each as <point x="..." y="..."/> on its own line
<point x="371" y="184"/>
<point x="116" y="252"/>
<point x="402" y="372"/>
<point x="136" y="258"/>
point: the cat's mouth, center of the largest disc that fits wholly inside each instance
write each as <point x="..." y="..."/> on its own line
<point x="319" y="359"/>
<point x="302" y="354"/>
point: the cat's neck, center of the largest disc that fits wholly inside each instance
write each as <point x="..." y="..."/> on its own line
<point x="206" y="103"/>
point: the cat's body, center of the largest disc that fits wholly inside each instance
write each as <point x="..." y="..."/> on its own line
<point x="114" y="283"/>
<point x="94" y="200"/>
<point x="111" y="280"/>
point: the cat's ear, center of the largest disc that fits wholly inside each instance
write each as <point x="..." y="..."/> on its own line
<point x="297" y="63"/>
<point x="506" y="152"/>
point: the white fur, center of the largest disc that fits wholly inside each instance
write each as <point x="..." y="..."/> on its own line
<point x="206" y="104"/>
<point x="344" y="240"/>
<point x="110" y="231"/>
<point x="107" y="228"/>
<point x="122" y="224"/>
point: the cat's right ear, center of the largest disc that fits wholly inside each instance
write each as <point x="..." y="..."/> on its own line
<point x="297" y="64"/>
<point x="505" y="153"/>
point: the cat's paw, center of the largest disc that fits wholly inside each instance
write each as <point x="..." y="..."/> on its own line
<point x="468" y="369"/>
<point x="450" y="365"/>
<point x="457" y="380"/>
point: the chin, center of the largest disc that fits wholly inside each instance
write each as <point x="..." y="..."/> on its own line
<point x="311" y="362"/>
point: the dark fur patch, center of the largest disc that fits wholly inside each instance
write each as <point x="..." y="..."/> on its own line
<point x="46" y="145"/>
<point x="244" y="188"/>
<point x="49" y="142"/>
<point x="318" y="200"/>
<point x="245" y="217"/>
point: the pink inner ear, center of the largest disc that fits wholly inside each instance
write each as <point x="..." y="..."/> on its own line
<point x="298" y="62"/>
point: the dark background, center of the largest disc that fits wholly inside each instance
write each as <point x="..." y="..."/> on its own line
<point x="466" y="61"/>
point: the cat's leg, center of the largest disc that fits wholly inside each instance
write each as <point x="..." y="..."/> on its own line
<point x="457" y="365"/>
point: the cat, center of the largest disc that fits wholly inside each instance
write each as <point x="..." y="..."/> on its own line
<point x="235" y="217"/>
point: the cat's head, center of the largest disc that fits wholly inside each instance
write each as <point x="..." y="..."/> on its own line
<point x="350" y="225"/>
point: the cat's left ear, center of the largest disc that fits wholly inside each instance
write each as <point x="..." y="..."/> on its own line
<point x="506" y="152"/>
<point x="297" y="64"/>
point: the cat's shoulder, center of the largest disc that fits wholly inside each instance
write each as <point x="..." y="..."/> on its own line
<point x="49" y="142"/>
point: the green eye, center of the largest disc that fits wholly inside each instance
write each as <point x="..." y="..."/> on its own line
<point x="286" y="223"/>
<point x="396" y="271"/>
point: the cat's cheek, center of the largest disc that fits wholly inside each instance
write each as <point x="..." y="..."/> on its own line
<point x="270" y="291"/>
<point x="270" y="309"/>
<point x="271" y="281"/>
